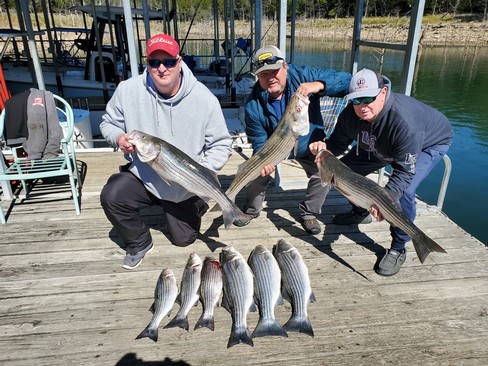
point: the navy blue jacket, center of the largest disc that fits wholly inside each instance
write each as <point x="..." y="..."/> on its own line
<point x="399" y="133"/>
<point x="261" y="119"/>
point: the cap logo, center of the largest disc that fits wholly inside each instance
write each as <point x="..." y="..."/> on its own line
<point x="160" y="39"/>
<point x="361" y="82"/>
<point x="264" y="56"/>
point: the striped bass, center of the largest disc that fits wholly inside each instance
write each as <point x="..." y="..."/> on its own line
<point x="238" y="294"/>
<point x="164" y="297"/>
<point x="267" y="291"/>
<point x="293" y="123"/>
<point x="173" y="165"/>
<point x="210" y="290"/>
<point x="363" y="192"/>
<point x="188" y="296"/>
<point x="295" y="286"/>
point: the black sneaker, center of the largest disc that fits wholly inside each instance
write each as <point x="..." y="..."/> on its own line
<point x="391" y="262"/>
<point x="239" y="223"/>
<point x="351" y="218"/>
<point x="131" y="261"/>
<point x="311" y="226"/>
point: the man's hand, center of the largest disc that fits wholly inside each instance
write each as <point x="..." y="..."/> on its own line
<point x="375" y="212"/>
<point x="316" y="146"/>
<point x="267" y="170"/>
<point x="124" y="145"/>
<point x="310" y="88"/>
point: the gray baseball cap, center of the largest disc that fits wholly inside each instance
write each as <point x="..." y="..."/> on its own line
<point x="365" y="83"/>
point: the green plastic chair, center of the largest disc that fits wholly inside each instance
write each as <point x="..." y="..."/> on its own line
<point x="30" y="170"/>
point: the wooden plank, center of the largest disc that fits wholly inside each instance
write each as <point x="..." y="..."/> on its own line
<point x="65" y="300"/>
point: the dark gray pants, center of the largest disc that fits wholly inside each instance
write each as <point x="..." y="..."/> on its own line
<point x="314" y="195"/>
<point x="124" y="195"/>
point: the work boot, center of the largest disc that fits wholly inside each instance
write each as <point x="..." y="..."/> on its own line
<point x="311" y="226"/>
<point x="352" y="218"/>
<point x="391" y="262"/>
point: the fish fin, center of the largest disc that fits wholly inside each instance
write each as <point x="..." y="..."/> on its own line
<point x="178" y="299"/>
<point x="235" y="216"/>
<point x="299" y="324"/>
<point x="239" y="335"/>
<point x="225" y="302"/>
<point x="148" y="332"/>
<point x="151" y="309"/>
<point x="207" y="322"/>
<point x="424" y="245"/>
<point x="312" y="297"/>
<point x="178" y="322"/>
<point x="285" y="295"/>
<point x="295" y="148"/>
<point x="269" y="327"/>
<point x="326" y="174"/>
<point x="252" y="308"/>
<point x="215" y="208"/>
<point x="280" y="300"/>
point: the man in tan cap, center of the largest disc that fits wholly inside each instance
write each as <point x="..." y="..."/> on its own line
<point x="277" y="82"/>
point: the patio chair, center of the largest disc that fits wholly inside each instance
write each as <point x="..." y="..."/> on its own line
<point x="29" y="171"/>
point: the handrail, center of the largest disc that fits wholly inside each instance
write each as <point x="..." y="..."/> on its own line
<point x="444" y="183"/>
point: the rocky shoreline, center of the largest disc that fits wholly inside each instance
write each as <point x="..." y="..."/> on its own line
<point x="466" y="34"/>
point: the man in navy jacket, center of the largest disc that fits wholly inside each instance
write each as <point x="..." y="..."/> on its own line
<point x="388" y="129"/>
<point x="277" y="82"/>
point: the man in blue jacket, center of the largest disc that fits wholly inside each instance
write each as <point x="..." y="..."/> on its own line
<point x="388" y="129"/>
<point x="277" y="82"/>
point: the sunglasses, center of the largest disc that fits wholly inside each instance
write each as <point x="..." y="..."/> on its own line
<point x="365" y="100"/>
<point x="269" y="61"/>
<point x="167" y="63"/>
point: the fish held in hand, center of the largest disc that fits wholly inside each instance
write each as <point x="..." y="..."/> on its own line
<point x="295" y="286"/>
<point x="164" y="297"/>
<point x="363" y="192"/>
<point x="293" y="123"/>
<point x="174" y="166"/>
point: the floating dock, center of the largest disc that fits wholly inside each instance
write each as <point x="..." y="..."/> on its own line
<point x="65" y="299"/>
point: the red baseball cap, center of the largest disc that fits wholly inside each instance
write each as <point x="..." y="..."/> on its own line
<point x="164" y="43"/>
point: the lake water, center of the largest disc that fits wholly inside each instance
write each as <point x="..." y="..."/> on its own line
<point x="455" y="81"/>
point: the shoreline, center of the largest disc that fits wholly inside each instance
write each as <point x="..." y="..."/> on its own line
<point x="465" y="34"/>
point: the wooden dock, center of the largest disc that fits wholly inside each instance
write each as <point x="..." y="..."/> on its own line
<point x="65" y="299"/>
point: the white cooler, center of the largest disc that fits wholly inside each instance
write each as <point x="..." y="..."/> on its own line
<point x="82" y="130"/>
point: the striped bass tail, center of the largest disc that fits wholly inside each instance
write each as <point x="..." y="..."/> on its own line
<point x="149" y="332"/>
<point x="269" y="327"/>
<point x="206" y="321"/>
<point x="239" y="335"/>
<point x="299" y="324"/>
<point x="424" y="245"/>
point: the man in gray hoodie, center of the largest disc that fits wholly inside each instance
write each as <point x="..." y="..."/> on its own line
<point x="165" y="101"/>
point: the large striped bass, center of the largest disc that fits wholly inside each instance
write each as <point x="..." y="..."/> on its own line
<point x="293" y="123"/>
<point x="295" y="286"/>
<point x="164" y="297"/>
<point x="238" y="294"/>
<point x="173" y="165"/>
<point x="267" y="291"/>
<point x="363" y="192"/>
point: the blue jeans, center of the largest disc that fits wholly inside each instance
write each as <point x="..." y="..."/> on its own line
<point x="427" y="160"/>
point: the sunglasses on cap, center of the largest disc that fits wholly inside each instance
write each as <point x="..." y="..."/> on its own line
<point x="268" y="61"/>
<point x="168" y="63"/>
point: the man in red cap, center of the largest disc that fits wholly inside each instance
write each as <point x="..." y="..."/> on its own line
<point x="165" y="101"/>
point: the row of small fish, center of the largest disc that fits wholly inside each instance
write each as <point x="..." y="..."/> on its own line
<point x="264" y="280"/>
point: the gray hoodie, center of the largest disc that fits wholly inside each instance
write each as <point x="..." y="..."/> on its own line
<point x="192" y="120"/>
